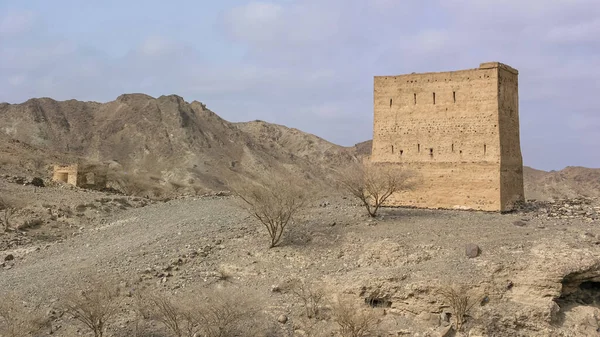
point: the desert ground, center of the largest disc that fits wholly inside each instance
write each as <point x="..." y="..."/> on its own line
<point x="537" y="272"/>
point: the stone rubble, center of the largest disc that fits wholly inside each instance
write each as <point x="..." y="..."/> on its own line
<point x="576" y="208"/>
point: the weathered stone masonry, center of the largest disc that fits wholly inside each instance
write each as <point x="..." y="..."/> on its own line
<point x="88" y="176"/>
<point x="459" y="130"/>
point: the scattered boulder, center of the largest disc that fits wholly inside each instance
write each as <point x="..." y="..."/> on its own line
<point x="16" y="180"/>
<point x="519" y="223"/>
<point x="472" y="250"/>
<point x="37" y="182"/>
<point x="9" y="257"/>
<point x="447" y="331"/>
<point x="581" y="208"/>
<point x="282" y="319"/>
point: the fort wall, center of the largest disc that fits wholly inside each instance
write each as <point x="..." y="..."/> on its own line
<point x="458" y="130"/>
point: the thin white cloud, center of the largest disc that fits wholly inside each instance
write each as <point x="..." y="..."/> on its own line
<point x="577" y="32"/>
<point x="255" y="22"/>
<point x="17" y="80"/>
<point x="155" y="45"/>
<point x="16" y="22"/>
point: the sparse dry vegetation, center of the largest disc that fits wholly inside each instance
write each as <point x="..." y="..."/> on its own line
<point x="162" y="309"/>
<point x="215" y="315"/>
<point x="273" y="203"/>
<point x="373" y="184"/>
<point x="224" y="274"/>
<point x="8" y="208"/>
<point x="354" y="321"/>
<point x="93" y="306"/>
<point x="226" y="315"/>
<point x="461" y="300"/>
<point x="310" y="296"/>
<point x="16" y="320"/>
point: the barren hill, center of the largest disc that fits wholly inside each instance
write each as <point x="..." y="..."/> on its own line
<point x="180" y="146"/>
<point x="165" y="140"/>
<point x="570" y="182"/>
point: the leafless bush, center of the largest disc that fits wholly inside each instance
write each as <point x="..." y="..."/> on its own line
<point x="226" y="316"/>
<point x="8" y="207"/>
<point x="461" y="300"/>
<point x="17" y="321"/>
<point x="314" y="328"/>
<point x="167" y="312"/>
<point x="353" y="320"/>
<point x="217" y="315"/>
<point x="93" y="306"/>
<point x="373" y="184"/>
<point x="39" y="165"/>
<point x="310" y="296"/>
<point x="224" y="274"/>
<point x="273" y="203"/>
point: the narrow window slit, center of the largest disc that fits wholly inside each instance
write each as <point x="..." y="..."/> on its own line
<point x="415" y="98"/>
<point x="431" y="151"/>
<point x="390" y="102"/>
<point x="434" y="98"/>
<point x="419" y="148"/>
<point x="392" y="149"/>
<point x="484" y="148"/>
<point x="454" y="96"/>
<point x="452" y="147"/>
<point x="401" y="152"/>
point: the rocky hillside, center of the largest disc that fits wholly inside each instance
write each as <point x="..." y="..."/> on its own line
<point x="165" y="141"/>
<point x="570" y="182"/>
<point x="166" y="145"/>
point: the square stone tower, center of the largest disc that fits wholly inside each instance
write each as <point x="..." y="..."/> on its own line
<point x="458" y="130"/>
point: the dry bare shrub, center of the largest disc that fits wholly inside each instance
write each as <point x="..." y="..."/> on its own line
<point x="171" y="314"/>
<point x="216" y="315"/>
<point x="8" y="207"/>
<point x="353" y="320"/>
<point x="310" y="296"/>
<point x="224" y="274"/>
<point x="373" y="184"/>
<point x="93" y="305"/>
<point x="39" y="165"/>
<point x="273" y="203"/>
<point x="227" y="315"/>
<point x="461" y="300"/>
<point x="17" y="321"/>
<point x="314" y="327"/>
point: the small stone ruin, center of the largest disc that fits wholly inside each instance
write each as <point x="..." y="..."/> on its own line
<point x="93" y="176"/>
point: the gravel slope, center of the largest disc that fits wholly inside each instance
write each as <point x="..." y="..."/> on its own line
<point x="400" y="257"/>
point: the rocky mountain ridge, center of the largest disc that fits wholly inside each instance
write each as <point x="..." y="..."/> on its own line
<point x="169" y="145"/>
<point x="165" y="140"/>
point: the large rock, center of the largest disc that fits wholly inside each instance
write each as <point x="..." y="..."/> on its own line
<point x="472" y="250"/>
<point x="37" y="182"/>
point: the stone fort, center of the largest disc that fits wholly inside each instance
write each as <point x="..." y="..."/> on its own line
<point x="458" y="130"/>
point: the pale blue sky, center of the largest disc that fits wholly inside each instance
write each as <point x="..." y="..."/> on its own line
<point x="309" y="64"/>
